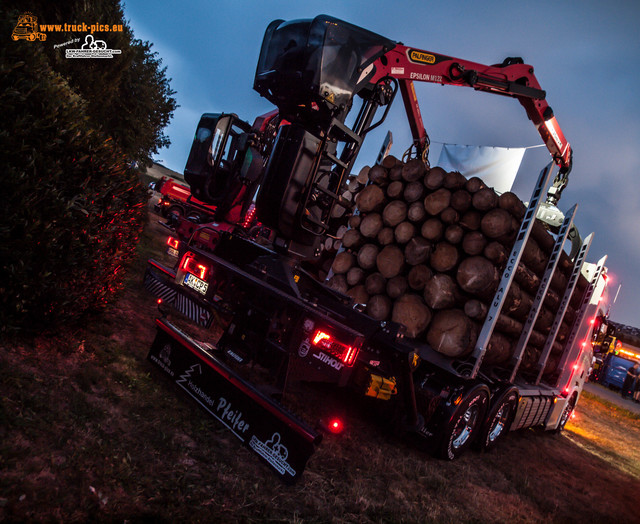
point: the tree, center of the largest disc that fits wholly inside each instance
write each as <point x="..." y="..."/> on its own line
<point x="71" y="209"/>
<point x="129" y="96"/>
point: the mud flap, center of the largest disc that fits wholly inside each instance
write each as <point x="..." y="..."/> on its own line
<point x="157" y="280"/>
<point x="282" y="441"/>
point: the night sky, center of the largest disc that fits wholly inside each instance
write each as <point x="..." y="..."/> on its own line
<point x="585" y="55"/>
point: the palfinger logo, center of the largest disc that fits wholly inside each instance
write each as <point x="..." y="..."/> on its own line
<point x="27" y="29"/>
<point x="92" y="48"/>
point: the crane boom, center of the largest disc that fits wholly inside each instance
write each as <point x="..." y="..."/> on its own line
<point x="512" y="78"/>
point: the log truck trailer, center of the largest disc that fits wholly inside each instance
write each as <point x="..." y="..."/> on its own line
<point x="282" y="318"/>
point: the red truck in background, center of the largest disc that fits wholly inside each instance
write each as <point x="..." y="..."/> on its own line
<point x="176" y="199"/>
<point x="186" y="214"/>
<point x="240" y="150"/>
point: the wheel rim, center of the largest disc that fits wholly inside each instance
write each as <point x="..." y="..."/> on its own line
<point x="468" y="422"/>
<point x="499" y="422"/>
<point x="567" y="413"/>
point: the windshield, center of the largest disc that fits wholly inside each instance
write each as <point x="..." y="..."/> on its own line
<point x="347" y="51"/>
<point x="323" y="60"/>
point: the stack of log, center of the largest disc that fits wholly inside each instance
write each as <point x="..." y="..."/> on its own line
<point x="427" y="249"/>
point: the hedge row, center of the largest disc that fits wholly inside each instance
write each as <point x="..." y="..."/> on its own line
<point x="70" y="209"/>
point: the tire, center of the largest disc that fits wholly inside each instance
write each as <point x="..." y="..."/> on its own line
<point x="464" y="423"/>
<point x="566" y="414"/>
<point x="175" y="210"/>
<point x="499" y="418"/>
<point x="195" y="218"/>
<point x="174" y="213"/>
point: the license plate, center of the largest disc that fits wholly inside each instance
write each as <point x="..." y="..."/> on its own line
<point x="172" y="252"/>
<point x="194" y="282"/>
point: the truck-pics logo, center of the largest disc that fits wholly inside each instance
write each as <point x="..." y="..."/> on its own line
<point x="92" y="48"/>
<point x="27" y="29"/>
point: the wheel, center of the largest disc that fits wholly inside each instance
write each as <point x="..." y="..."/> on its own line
<point x="174" y="213"/>
<point x="499" y="418"/>
<point x="566" y="414"/>
<point x="175" y="210"/>
<point x="464" y="424"/>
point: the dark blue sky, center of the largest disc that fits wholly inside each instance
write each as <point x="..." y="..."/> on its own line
<point x="586" y="56"/>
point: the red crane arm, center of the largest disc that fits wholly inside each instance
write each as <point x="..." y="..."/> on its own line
<point x="512" y="78"/>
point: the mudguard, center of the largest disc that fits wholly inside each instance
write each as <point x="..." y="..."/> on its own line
<point x="278" y="437"/>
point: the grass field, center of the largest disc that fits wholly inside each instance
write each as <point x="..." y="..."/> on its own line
<point x="90" y="432"/>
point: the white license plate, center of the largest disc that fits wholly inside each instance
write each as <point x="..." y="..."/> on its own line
<point x="172" y="252"/>
<point x="194" y="282"/>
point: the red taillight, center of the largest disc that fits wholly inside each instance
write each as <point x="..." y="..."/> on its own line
<point x="250" y="216"/>
<point x="191" y="265"/>
<point x="346" y="353"/>
<point x="349" y="356"/>
<point x="173" y="242"/>
<point x="335" y="426"/>
<point x="332" y="425"/>
<point x="320" y="336"/>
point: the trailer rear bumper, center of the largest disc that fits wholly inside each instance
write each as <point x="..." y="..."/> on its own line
<point x="161" y="282"/>
<point x="278" y="437"/>
<point x="158" y="280"/>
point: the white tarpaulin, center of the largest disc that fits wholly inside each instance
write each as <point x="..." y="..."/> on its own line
<point x="496" y="166"/>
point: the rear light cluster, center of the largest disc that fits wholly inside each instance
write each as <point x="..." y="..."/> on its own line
<point x="173" y="242"/>
<point x="345" y="353"/>
<point x="189" y="264"/>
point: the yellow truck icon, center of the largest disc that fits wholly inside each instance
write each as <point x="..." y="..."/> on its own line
<point x="27" y="29"/>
